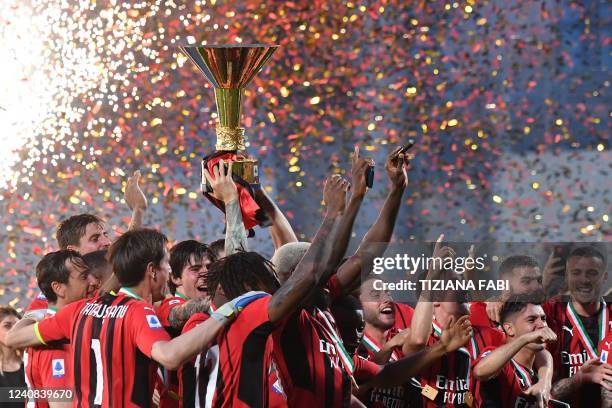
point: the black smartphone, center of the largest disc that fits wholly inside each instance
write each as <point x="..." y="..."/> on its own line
<point x="406" y="147"/>
<point x="370" y="176"/>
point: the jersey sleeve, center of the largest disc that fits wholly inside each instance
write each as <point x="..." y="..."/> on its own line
<point x="58" y="327"/>
<point x="195" y="320"/>
<point x="146" y="328"/>
<point x="365" y="369"/>
<point x="163" y="311"/>
<point x="53" y="367"/>
<point x="483" y="353"/>
<point x="256" y="313"/>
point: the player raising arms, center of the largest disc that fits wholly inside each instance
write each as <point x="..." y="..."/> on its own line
<point x="242" y="375"/>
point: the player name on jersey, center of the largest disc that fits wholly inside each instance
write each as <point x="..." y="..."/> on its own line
<point x="103" y="311"/>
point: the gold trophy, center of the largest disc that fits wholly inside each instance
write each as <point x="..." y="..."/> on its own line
<point x="230" y="68"/>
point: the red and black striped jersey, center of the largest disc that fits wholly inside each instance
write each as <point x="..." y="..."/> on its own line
<point x="451" y="376"/>
<point x="112" y="338"/>
<point x="311" y="362"/>
<point x="577" y="340"/>
<point x="47" y="367"/>
<point x="244" y="358"/>
<point x="506" y="389"/>
<point x="193" y="383"/>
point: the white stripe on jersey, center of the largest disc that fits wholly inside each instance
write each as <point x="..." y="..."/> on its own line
<point x="211" y="360"/>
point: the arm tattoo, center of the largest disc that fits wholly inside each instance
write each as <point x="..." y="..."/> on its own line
<point x="563" y="388"/>
<point x="606" y="398"/>
<point x="180" y="314"/>
<point x="235" y="235"/>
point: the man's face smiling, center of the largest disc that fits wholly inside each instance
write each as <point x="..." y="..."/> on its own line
<point x="192" y="282"/>
<point x="377" y="306"/>
<point x="95" y="239"/>
<point x="585" y="278"/>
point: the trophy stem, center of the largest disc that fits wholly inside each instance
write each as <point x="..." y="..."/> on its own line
<point x="230" y="136"/>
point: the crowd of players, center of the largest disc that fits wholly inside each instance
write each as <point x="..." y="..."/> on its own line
<point x="131" y="323"/>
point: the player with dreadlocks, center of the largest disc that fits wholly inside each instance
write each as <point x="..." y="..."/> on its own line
<point x="241" y="373"/>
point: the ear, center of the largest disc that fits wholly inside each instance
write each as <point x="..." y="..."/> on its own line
<point x="59" y="289"/>
<point x="73" y="248"/>
<point x="509" y="329"/>
<point x="151" y="271"/>
<point x="176" y="281"/>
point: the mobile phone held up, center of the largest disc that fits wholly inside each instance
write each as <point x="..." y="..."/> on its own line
<point x="370" y="176"/>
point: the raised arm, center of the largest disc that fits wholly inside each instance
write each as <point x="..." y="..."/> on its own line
<point x="136" y="200"/>
<point x="359" y="188"/>
<point x="281" y="231"/>
<point x="382" y="230"/>
<point x="224" y="189"/>
<point x="490" y="365"/>
<point x="420" y="327"/>
<point x="316" y="263"/>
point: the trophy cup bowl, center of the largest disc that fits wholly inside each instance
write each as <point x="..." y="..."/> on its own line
<point x="230" y="68"/>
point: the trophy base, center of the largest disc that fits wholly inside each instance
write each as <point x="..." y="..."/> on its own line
<point x="247" y="169"/>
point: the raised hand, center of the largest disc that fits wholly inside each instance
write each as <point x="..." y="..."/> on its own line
<point x="358" y="172"/>
<point x="133" y="196"/>
<point x="455" y="335"/>
<point x="397" y="166"/>
<point x="334" y="194"/>
<point x="223" y="185"/>
<point x="440" y="252"/>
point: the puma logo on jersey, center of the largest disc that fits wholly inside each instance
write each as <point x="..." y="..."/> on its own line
<point x="569" y="329"/>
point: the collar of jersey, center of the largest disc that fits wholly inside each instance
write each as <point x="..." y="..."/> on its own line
<point x="129" y="292"/>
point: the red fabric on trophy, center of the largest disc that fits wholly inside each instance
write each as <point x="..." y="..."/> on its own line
<point x="252" y="214"/>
